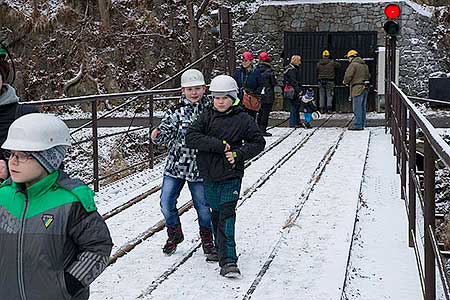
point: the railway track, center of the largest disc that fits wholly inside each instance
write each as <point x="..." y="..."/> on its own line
<point x="118" y="209"/>
<point x="245" y="196"/>
<point x="158" y="226"/>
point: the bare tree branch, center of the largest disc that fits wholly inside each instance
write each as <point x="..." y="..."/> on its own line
<point x="201" y="10"/>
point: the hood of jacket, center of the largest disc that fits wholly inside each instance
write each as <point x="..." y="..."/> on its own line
<point x="8" y="96"/>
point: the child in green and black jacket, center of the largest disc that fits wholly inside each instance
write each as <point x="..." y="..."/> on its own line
<point x="218" y="134"/>
<point x="53" y="242"/>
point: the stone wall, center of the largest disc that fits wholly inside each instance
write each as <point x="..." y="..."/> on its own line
<point x="419" y="57"/>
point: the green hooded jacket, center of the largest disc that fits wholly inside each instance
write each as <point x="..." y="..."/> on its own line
<point x="53" y="242"/>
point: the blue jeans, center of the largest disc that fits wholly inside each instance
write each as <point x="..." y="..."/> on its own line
<point x="170" y="191"/>
<point x="359" y="110"/>
<point x="294" y="117"/>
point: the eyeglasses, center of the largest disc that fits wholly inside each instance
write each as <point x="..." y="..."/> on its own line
<point x="20" y="156"/>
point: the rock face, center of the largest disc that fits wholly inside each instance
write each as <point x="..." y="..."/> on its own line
<point x="420" y="52"/>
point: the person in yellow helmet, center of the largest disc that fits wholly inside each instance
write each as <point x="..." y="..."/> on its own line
<point x="357" y="77"/>
<point x="326" y="74"/>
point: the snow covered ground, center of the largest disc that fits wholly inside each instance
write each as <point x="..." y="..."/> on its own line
<point x="380" y="245"/>
<point x="295" y="227"/>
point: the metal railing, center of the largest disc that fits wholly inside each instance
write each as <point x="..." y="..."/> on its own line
<point x="147" y="97"/>
<point x="404" y="119"/>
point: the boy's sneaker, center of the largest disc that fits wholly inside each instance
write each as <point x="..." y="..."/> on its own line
<point x="175" y="237"/>
<point x="212" y="257"/>
<point x="307" y="125"/>
<point x="207" y="240"/>
<point x="230" y="270"/>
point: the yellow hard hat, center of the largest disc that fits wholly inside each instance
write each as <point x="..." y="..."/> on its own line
<point x="352" y="53"/>
<point x="325" y="53"/>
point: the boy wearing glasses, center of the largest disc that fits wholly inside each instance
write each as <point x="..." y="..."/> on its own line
<point x="53" y="242"/>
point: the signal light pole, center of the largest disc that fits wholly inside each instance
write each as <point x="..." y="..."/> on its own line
<point x="392" y="28"/>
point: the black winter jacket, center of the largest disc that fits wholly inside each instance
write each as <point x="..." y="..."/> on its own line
<point x="292" y="77"/>
<point x="248" y="80"/>
<point x="269" y="82"/>
<point x="209" y="133"/>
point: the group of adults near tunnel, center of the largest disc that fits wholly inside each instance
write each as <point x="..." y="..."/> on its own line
<point x="257" y="83"/>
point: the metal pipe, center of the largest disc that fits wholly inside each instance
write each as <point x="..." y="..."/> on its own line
<point x="411" y="184"/>
<point x="95" y="145"/>
<point x="402" y="148"/>
<point x="441" y="268"/>
<point x="150" y="115"/>
<point x="429" y="100"/>
<point x="440" y="147"/>
<point x="429" y="223"/>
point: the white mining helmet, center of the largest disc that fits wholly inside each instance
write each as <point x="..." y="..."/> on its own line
<point x="223" y="85"/>
<point x="192" y="77"/>
<point x="37" y="132"/>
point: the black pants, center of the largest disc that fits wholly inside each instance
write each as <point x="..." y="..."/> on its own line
<point x="263" y="116"/>
<point x="222" y="197"/>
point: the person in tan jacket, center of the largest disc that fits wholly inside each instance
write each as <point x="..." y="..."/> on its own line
<point x="357" y="77"/>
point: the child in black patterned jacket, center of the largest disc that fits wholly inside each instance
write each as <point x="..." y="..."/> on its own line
<point x="181" y="165"/>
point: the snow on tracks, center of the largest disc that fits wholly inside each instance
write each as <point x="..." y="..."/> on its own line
<point x="259" y="225"/>
<point x="140" y="216"/>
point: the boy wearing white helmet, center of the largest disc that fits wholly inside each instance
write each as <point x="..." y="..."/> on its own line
<point x="181" y="165"/>
<point x="53" y="242"/>
<point x="218" y="134"/>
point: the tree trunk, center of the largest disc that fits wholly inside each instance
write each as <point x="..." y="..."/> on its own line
<point x="104" y="6"/>
<point x="193" y="30"/>
<point x="35" y="14"/>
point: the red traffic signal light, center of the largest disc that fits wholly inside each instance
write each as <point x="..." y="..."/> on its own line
<point x="392" y="11"/>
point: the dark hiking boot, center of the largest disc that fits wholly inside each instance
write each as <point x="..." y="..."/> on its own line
<point x="355" y="128"/>
<point x="265" y="133"/>
<point x="212" y="257"/>
<point x="207" y="241"/>
<point x="230" y="270"/>
<point x="175" y="236"/>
